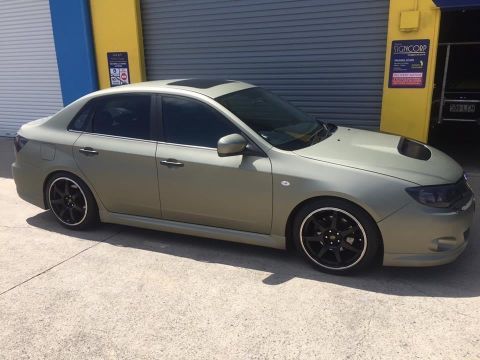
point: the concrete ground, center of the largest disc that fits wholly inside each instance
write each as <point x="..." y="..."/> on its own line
<point x="120" y="292"/>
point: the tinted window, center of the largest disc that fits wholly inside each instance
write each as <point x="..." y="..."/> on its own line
<point x="190" y="122"/>
<point x="123" y="115"/>
<point x="200" y="83"/>
<point x="80" y="121"/>
<point x="274" y="119"/>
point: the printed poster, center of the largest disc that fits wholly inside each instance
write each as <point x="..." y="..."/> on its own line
<point x="118" y="68"/>
<point x="408" y="63"/>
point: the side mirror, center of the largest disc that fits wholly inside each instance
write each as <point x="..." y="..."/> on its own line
<point x="231" y="145"/>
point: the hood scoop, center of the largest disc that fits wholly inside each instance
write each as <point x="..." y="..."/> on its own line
<point x="413" y="149"/>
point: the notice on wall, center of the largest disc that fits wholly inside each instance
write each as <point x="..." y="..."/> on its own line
<point x="118" y="68"/>
<point x="408" y="63"/>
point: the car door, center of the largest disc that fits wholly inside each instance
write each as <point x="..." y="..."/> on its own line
<point x="196" y="185"/>
<point x="116" y="153"/>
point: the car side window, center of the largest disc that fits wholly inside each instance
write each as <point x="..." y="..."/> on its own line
<point x="123" y="115"/>
<point x="80" y="121"/>
<point x="191" y="122"/>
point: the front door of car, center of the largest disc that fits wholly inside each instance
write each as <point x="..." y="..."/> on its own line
<point x="196" y="185"/>
<point x="116" y="154"/>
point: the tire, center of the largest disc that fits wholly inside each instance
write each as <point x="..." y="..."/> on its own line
<point x="336" y="236"/>
<point x="71" y="201"/>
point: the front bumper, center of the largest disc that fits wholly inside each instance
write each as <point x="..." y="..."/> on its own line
<point x="417" y="235"/>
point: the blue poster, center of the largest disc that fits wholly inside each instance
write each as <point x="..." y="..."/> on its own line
<point x="408" y="63"/>
<point x="118" y="68"/>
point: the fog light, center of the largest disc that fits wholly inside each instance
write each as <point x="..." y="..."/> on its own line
<point x="443" y="244"/>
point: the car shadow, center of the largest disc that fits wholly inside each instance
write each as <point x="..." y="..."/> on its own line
<point x="457" y="280"/>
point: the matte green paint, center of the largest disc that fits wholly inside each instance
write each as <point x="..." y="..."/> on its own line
<point x="244" y="198"/>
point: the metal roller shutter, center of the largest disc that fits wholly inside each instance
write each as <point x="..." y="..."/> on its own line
<point x="29" y="82"/>
<point x="325" y="56"/>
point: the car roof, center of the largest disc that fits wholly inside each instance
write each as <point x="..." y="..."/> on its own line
<point x="212" y="88"/>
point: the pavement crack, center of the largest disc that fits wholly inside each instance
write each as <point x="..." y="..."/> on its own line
<point x="365" y="333"/>
<point x="58" y="264"/>
<point x="15" y="227"/>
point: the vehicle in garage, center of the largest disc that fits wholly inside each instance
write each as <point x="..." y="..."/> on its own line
<point x="457" y="87"/>
<point x="228" y="160"/>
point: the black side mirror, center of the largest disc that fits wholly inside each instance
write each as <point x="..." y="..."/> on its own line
<point x="231" y="145"/>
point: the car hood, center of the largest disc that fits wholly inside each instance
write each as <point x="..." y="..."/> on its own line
<point x="376" y="152"/>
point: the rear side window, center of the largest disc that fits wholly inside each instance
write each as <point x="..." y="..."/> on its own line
<point x="80" y="121"/>
<point x="123" y="115"/>
<point x="190" y="122"/>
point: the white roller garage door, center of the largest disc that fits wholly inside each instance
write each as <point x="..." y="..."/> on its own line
<point x="325" y="56"/>
<point x="29" y="81"/>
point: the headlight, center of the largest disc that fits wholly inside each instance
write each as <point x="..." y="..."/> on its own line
<point x="442" y="196"/>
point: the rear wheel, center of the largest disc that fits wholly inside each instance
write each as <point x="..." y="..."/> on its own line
<point x="336" y="236"/>
<point x="71" y="201"/>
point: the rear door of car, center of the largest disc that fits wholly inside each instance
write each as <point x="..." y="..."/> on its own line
<point x="116" y="153"/>
<point x="196" y="185"/>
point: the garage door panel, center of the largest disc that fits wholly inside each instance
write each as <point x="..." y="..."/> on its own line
<point x="325" y="56"/>
<point x="234" y="41"/>
<point x="328" y="47"/>
<point x="29" y="81"/>
<point x="320" y="9"/>
<point x="329" y="66"/>
<point x="273" y="26"/>
<point x="309" y="22"/>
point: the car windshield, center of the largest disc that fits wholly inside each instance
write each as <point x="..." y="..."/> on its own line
<point x="274" y="119"/>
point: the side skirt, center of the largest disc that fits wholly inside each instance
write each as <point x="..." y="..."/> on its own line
<point x="271" y="241"/>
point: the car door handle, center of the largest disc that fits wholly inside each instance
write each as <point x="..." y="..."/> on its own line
<point x="171" y="163"/>
<point x="88" y="151"/>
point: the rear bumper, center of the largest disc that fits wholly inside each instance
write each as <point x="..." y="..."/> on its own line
<point x="418" y="235"/>
<point x="28" y="182"/>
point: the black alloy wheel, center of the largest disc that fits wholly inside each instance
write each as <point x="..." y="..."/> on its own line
<point x="333" y="238"/>
<point x="336" y="236"/>
<point x="71" y="202"/>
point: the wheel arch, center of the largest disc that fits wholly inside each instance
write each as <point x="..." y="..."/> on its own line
<point x="62" y="171"/>
<point x="289" y="244"/>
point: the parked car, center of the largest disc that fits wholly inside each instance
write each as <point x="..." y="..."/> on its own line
<point x="231" y="161"/>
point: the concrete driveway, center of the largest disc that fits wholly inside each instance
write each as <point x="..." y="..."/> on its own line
<point x="120" y="292"/>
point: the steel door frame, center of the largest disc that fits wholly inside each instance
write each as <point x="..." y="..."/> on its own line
<point x="444" y="81"/>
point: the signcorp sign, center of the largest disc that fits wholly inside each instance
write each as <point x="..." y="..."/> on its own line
<point x="408" y="63"/>
<point x="118" y="68"/>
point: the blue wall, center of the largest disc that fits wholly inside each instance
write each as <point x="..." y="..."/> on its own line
<point x="72" y="33"/>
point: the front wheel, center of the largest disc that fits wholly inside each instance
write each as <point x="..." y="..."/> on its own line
<point x="71" y="201"/>
<point x="336" y="236"/>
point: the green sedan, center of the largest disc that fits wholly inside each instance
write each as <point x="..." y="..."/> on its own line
<point x="231" y="161"/>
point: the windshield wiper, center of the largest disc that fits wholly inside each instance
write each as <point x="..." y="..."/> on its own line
<point x="316" y="136"/>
